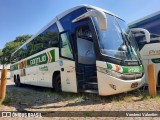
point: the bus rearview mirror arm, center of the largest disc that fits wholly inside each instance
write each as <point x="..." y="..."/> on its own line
<point x="146" y="32"/>
<point x="101" y="18"/>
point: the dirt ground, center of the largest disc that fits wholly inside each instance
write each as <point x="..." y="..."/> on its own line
<point x="30" y="98"/>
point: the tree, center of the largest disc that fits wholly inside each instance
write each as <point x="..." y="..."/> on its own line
<point x="1" y="53"/>
<point x="22" y="38"/>
<point x="12" y="46"/>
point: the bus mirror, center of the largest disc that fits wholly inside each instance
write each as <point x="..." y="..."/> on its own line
<point x="101" y="18"/>
<point x="139" y="30"/>
<point x="123" y="48"/>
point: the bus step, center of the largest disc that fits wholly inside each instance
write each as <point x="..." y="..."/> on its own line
<point x="91" y="80"/>
<point x="91" y="83"/>
<point x="90" y="91"/>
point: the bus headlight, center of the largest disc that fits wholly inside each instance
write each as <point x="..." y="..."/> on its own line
<point x="109" y="72"/>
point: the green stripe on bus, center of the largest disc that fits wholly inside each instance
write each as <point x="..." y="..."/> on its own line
<point x="126" y="69"/>
<point x="52" y="52"/>
<point x="24" y="72"/>
<point x="14" y="67"/>
<point x="37" y="60"/>
<point x="22" y="64"/>
<point x="109" y="66"/>
<point x="132" y="69"/>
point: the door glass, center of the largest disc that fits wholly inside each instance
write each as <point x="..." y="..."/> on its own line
<point x="86" y="53"/>
<point x="65" y="46"/>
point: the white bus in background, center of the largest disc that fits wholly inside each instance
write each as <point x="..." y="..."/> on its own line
<point x="149" y="51"/>
<point x="6" y="66"/>
<point x="84" y="49"/>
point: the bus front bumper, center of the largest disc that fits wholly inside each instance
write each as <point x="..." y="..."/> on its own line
<point x="109" y="85"/>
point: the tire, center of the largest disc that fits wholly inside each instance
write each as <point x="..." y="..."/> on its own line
<point x="17" y="82"/>
<point x="57" y="84"/>
<point x="14" y="79"/>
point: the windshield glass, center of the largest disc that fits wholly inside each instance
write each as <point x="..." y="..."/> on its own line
<point x="115" y="41"/>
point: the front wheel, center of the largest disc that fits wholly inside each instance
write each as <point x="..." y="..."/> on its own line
<point x="57" y="84"/>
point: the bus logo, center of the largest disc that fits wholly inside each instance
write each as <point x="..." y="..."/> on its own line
<point x="38" y="60"/>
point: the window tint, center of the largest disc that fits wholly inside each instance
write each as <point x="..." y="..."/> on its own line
<point x="46" y="39"/>
<point x="84" y="33"/>
<point x="66" y="21"/>
<point x="86" y="53"/>
<point x="65" y="46"/>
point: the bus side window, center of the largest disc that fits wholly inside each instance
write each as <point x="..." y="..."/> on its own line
<point x="65" y="46"/>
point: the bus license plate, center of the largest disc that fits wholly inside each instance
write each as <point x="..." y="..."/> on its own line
<point x="134" y="85"/>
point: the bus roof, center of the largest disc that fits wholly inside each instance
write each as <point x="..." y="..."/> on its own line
<point x="62" y="15"/>
<point x="145" y="19"/>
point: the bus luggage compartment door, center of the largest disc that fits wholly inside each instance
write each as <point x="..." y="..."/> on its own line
<point x="68" y="77"/>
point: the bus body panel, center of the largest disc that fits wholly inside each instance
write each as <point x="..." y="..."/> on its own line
<point x="149" y="53"/>
<point x="68" y="76"/>
<point x="109" y="85"/>
<point x="145" y="63"/>
<point x="157" y="72"/>
<point x="39" y="68"/>
<point x="44" y="64"/>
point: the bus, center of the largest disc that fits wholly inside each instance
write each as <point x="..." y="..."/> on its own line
<point x="84" y="49"/>
<point x="150" y="52"/>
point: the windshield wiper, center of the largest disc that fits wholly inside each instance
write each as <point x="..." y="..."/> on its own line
<point x="126" y="41"/>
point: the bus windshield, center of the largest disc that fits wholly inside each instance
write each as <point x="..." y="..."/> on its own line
<point x="116" y="40"/>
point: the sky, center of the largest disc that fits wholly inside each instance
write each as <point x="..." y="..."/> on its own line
<point x="19" y="17"/>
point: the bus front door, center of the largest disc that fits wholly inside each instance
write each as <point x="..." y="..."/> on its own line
<point x="68" y="73"/>
<point x="86" y="59"/>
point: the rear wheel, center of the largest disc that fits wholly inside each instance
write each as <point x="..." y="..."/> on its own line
<point x="17" y="81"/>
<point x="14" y="79"/>
<point x="57" y="84"/>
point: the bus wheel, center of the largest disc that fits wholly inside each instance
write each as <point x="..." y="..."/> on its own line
<point x="18" y="83"/>
<point x="57" y="84"/>
<point x="14" y="79"/>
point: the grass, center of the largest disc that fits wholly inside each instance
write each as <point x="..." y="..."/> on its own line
<point x="6" y="101"/>
<point x="16" y="96"/>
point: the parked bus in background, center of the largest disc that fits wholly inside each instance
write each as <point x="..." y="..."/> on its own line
<point x="150" y="52"/>
<point x="84" y="49"/>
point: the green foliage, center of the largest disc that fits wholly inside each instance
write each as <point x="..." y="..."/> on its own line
<point x="22" y="38"/>
<point x="1" y="53"/>
<point x="10" y="47"/>
<point x="41" y="42"/>
<point x="1" y="58"/>
<point x="6" y="101"/>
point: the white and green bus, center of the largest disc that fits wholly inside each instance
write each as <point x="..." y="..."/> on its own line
<point x="84" y="49"/>
<point x="149" y="51"/>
